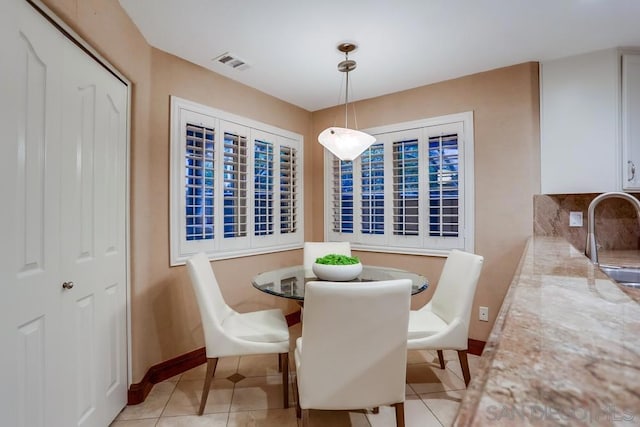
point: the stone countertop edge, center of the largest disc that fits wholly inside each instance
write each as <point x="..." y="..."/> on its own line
<point x="564" y="349"/>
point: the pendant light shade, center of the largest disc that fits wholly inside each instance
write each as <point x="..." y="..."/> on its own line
<point x="345" y="143"/>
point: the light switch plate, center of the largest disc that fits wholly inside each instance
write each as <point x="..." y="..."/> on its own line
<point x="575" y="219"/>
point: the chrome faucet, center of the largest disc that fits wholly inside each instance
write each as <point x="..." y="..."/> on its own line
<point x="591" y="249"/>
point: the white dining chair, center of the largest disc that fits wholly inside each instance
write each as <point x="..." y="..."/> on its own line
<point x="314" y="250"/>
<point x="229" y="333"/>
<point x="443" y="323"/>
<point x="353" y="350"/>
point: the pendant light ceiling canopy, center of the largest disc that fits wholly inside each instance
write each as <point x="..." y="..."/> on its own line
<point x="345" y="143"/>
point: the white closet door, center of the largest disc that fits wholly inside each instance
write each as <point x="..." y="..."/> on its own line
<point x="31" y="380"/>
<point x="93" y="237"/>
<point x="63" y="124"/>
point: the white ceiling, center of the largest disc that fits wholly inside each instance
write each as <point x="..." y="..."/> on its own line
<point x="291" y="44"/>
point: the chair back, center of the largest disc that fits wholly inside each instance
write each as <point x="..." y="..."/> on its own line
<point x="456" y="288"/>
<point x="314" y="250"/>
<point x="354" y="344"/>
<point x="213" y="309"/>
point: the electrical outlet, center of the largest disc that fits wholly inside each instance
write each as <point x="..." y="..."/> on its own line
<point x="575" y="219"/>
<point x="484" y="314"/>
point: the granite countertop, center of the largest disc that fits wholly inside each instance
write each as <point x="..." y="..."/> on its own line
<point x="621" y="258"/>
<point x="564" y="350"/>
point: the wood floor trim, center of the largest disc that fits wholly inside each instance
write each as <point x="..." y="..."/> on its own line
<point x="475" y="347"/>
<point x="163" y="371"/>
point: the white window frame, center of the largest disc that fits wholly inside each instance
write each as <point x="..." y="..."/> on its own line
<point x="460" y="123"/>
<point x="184" y="111"/>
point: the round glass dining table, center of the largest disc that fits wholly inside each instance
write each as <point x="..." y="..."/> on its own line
<point x="289" y="282"/>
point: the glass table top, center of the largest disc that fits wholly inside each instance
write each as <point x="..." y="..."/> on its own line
<point x="289" y="282"/>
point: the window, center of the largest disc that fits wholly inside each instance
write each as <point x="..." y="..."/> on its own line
<point x="410" y="192"/>
<point x="236" y="184"/>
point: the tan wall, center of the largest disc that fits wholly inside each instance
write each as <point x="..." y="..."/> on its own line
<point x="170" y="315"/>
<point x="505" y="104"/>
<point x="164" y="315"/>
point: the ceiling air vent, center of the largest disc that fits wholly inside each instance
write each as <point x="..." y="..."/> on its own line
<point x="231" y="60"/>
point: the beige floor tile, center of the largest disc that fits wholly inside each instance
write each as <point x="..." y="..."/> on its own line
<point x="450" y="354"/>
<point x="185" y="400"/>
<point x="205" y="420"/>
<point x="408" y="391"/>
<point x="175" y="378"/>
<point x="148" y="422"/>
<point x="264" y="418"/>
<point x="337" y="419"/>
<point x="427" y="378"/>
<point x="226" y="366"/>
<point x="152" y="406"/>
<point x="421" y="356"/>
<point x="416" y="414"/>
<point x="258" y="365"/>
<point x="474" y="363"/>
<point x="196" y="373"/>
<point x="444" y="405"/>
<point x="254" y="393"/>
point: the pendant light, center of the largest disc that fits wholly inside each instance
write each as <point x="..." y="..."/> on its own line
<point x="345" y="143"/>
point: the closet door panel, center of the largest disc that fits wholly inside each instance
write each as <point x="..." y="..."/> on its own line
<point x="111" y="241"/>
<point x="29" y="265"/>
<point x="94" y="178"/>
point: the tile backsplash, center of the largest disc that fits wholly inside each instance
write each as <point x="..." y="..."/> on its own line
<point x="617" y="225"/>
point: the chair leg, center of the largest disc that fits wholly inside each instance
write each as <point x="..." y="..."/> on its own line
<point x="305" y="418"/>
<point x="464" y="364"/>
<point x="298" y="409"/>
<point x="283" y="360"/>
<point x="211" y="369"/>
<point x="399" y="414"/>
<point x="441" y="359"/>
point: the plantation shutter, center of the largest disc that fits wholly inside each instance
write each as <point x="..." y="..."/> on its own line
<point x="263" y="195"/>
<point x="372" y="190"/>
<point x="406" y="188"/>
<point x="342" y="213"/>
<point x="199" y="182"/>
<point x="288" y="190"/>
<point x="444" y="198"/>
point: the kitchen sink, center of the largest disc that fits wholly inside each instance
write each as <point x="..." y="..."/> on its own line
<point x="626" y="276"/>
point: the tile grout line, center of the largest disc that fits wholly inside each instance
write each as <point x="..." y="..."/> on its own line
<point x="164" y="408"/>
<point x="233" y="391"/>
<point x="432" y="413"/>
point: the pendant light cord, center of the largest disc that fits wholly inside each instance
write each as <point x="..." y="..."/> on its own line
<point x="346" y="96"/>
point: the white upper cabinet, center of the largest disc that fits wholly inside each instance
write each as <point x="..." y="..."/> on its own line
<point x="580" y="122"/>
<point x="631" y="121"/>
